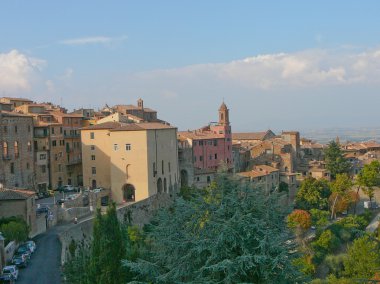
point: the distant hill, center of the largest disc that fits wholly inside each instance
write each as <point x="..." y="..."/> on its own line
<point x="344" y="134"/>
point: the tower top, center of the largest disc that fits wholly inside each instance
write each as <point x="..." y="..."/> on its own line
<point x="140" y="104"/>
<point x="224" y="115"/>
<point x="223" y="106"/>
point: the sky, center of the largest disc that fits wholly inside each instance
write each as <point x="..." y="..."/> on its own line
<point x="284" y="65"/>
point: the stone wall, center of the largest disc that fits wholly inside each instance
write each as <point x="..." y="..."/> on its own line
<point x="138" y="213"/>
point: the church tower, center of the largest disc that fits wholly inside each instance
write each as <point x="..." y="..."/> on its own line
<point x="224" y="115"/>
<point x="140" y="104"/>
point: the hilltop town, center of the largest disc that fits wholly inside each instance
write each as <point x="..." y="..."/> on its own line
<point x="58" y="166"/>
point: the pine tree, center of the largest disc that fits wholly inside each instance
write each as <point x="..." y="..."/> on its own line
<point x="230" y="234"/>
<point x="336" y="163"/>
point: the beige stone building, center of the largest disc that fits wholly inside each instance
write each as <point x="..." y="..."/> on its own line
<point x="19" y="203"/>
<point x="15" y="102"/>
<point x="16" y="142"/>
<point x="263" y="177"/>
<point x="134" y="160"/>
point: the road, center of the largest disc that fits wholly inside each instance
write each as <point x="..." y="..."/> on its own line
<point x="44" y="266"/>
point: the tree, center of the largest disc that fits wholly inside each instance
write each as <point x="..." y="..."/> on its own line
<point x="363" y="258"/>
<point x="336" y="163"/>
<point x="368" y="178"/>
<point x="340" y="187"/>
<point x="236" y="236"/>
<point x="299" y="219"/>
<point x="16" y="230"/>
<point x="313" y="193"/>
<point x="319" y="218"/>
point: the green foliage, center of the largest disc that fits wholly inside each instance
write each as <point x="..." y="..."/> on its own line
<point x="231" y="234"/>
<point x="14" y="229"/>
<point x="305" y="265"/>
<point x="336" y="163"/>
<point x="283" y="187"/>
<point x="363" y="258"/>
<point x="319" y="218"/>
<point x="326" y="242"/>
<point x="335" y="263"/>
<point x="313" y="193"/>
<point x="369" y="177"/>
<point x="187" y="192"/>
<point x="299" y="219"/>
<point x="101" y="263"/>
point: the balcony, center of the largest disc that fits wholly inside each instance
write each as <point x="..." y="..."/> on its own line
<point x="71" y="135"/>
<point x="74" y="162"/>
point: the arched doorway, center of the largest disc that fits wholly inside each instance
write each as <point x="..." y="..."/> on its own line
<point x="93" y="184"/>
<point x="184" y="178"/>
<point x="128" y="192"/>
<point x="159" y="185"/>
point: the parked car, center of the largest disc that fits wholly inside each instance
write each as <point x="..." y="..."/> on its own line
<point x="24" y="249"/>
<point x="42" y="209"/>
<point x="32" y="246"/>
<point x="11" y="269"/>
<point x="20" y="260"/>
<point x="7" y="278"/>
<point x="68" y="188"/>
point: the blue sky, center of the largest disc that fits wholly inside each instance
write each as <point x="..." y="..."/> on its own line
<point x="277" y="64"/>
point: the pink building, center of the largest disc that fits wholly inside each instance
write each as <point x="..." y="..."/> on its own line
<point x="211" y="146"/>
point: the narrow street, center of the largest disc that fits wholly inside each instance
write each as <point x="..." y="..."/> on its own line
<point x="44" y="266"/>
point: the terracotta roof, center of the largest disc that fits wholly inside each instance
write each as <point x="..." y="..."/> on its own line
<point x="62" y="114"/>
<point x="259" y="171"/>
<point x="9" y="113"/>
<point x="250" y="135"/>
<point x="15" y="194"/>
<point x="119" y="126"/>
<point x="133" y="107"/>
<point x="199" y="135"/>
<point x="18" y="99"/>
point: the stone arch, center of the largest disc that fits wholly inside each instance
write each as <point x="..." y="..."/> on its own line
<point x="159" y="185"/>
<point x="128" y="192"/>
<point x="184" y="178"/>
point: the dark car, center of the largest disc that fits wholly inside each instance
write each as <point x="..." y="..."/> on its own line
<point x="42" y="209"/>
<point x="20" y="260"/>
<point x="7" y="278"/>
<point x="24" y="249"/>
<point x="60" y="201"/>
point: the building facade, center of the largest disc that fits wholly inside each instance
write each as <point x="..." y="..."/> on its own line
<point x="134" y="160"/>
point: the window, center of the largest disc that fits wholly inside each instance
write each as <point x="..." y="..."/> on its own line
<point x="54" y="143"/>
<point x="195" y="143"/>
<point x="93" y="170"/>
<point x="162" y="166"/>
<point x="201" y="158"/>
<point x="92" y="147"/>
<point x="92" y="135"/>
<point x="42" y="156"/>
<point x="52" y="130"/>
<point x="28" y="128"/>
<point x="29" y="146"/>
<point x="115" y="147"/>
<point x="15" y="128"/>
<point x="16" y="150"/>
<point x="208" y="179"/>
<point x="27" y="166"/>
<point x="60" y="130"/>
<point x="43" y="169"/>
<point x="128" y="147"/>
<point x="5" y="149"/>
<point x="5" y="129"/>
<point x="215" y="142"/>
<point x="59" y="167"/>
<point x="169" y="166"/>
<point x="195" y="158"/>
<point x="93" y="157"/>
<point x="216" y="156"/>
<point x="200" y="143"/>
<point x="209" y="142"/>
<point x="154" y="169"/>
<point x="210" y="157"/>
<point x="12" y="168"/>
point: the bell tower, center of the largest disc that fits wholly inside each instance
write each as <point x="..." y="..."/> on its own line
<point x="224" y="115"/>
<point x="140" y="104"/>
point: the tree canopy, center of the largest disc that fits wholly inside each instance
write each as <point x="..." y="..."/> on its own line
<point x="336" y="163"/>
<point x="369" y="177"/>
<point x="313" y="193"/>
<point x="231" y="233"/>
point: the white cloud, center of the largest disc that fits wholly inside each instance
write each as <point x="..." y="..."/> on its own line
<point x="17" y="71"/>
<point x="304" y="69"/>
<point x="92" y="40"/>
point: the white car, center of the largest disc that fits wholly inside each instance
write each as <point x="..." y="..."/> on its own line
<point x="99" y="189"/>
<point x="11" y="269"/>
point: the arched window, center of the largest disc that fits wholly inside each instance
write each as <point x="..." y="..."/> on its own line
<point x="29" y="146"/>
<point x="159" y="185"/>
<point x="16" y="149"/>
<point x="162" y="166"/>
<point x="5" y="149"/>
<point x="128" y="193"/>
<point x="165" y="186"/>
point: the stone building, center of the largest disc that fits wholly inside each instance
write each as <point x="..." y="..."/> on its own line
<point x="211" y="147"/>
<point x="17" y="156"/>
<point x="19" y="203"/>
<point x="263" y="177"/>
<point x="252" y="138"/>
<point x="15" y="102"/>
<point x="134" y="160"/>
<point x="139" y="111"/>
